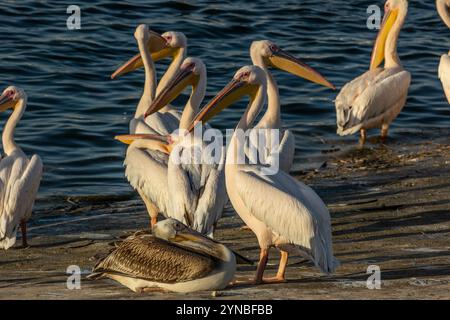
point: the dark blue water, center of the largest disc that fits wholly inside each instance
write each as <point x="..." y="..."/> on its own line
<point x="75" y="110"/>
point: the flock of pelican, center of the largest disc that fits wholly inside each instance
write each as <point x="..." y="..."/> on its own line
<point x="180" y="253"/>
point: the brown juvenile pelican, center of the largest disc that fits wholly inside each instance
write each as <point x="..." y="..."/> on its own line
<point x="174" y="258"/>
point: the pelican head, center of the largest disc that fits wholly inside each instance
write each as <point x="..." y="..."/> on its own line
<point x="189" y="74"/>
<point x="393" y="9"/>
<point x="160" y="47"/>
<point x="10" y="97"/>
<point x="175" y="39"/>
<point x="246" y="82"/>
<point x="273" y="56"/>
<point x="179" y="234"/>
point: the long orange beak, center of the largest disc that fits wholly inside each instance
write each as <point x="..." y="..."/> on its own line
<point x="284" y="61"/>
<point x="378" y="53"/>
<point x="158" y="48"/>
<point x="234" y="91"/>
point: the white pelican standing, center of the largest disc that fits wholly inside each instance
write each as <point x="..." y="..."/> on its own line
<point x="150" y="181"/>
<point x="174" y="258"/>
<point x="19" y="176"/>
<point x="375" y="99"/>
<point x="444" y="65"/>
<point x="265" y="54"/>
<point x="196" y="193"/>
<point x="280" y="210"/>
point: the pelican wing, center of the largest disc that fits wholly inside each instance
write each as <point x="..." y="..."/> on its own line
<point x="146" y="257"/>
<point x="19" y="183"/>
<point x="281" y="155"/>
<point x="287" y="151"/>
<point x="369" y="97"/>
<point x="213" y="197"/>
<point x="146" y="170"/>
<point x="290" y="209"/>
<point x="197" y="187"/>
<point x="156" y="123"/>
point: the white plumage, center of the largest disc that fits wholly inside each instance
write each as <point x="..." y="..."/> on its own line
<point x="291" y="210"/>
<point x="444" y="66"/>
<point x="197" y="187"/>
<point x="19" y="176"/>
<point x="144" y="168"/>
<point x="281" y="211"/>
<point x="265" y="53"/>
<point x="444" y="74"/>
<point x="186" y="185"/>
<point x="374" y="98"/>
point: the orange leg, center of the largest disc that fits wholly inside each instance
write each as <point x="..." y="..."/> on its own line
<point x="384" y="133"/>
<point x="151" y="209"/>
<point x="363" y="138"/>
<point x="23" y="228"/>
<point x="258" y="279"/>
<point x="280" y="277"/>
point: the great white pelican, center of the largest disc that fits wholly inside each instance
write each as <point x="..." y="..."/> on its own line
<point x="375" y="99"/>
<point x="19" y="176"/>
<point x="190" y="188"/>
<point x="152" y="47"/>
<point x="265" y="54"/>
<point x="280" y="210"/>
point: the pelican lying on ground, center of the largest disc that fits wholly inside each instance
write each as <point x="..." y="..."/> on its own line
<point x="444" y="66"/>
<point x="196" y="193"/>
<point x="152" y="48"/>
<point x="174" y="258"/>
<point x="265" y="53"/>
<point x="375" y="99"/>
<point x="280" y="210"/>
<point x="19" y="176"/>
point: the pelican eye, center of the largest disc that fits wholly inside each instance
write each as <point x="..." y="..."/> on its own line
<point x="178" y="226"/>
<point x="274" y="48"/>
<point x="190" y="66"/>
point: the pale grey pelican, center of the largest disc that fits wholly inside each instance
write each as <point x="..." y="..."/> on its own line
<point x="195" y="190"/>
<point x="19" y="176"/>
<point x="444" y="65"/>
<point x="280" y="210"/>
<point x="375" y="99"/>
<point x="175" y="258"/>
<point x="265" y="54"/>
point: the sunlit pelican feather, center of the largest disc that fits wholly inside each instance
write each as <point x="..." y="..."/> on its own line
<point x="174" y="258"/>
<point x="375" y="99"/>
<point x="19" y="176"/>
<point x="267" y="54"/>
<point x="444" y="66"/>
<point x="280" y="210"/>
<point x="195" y="193"/>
